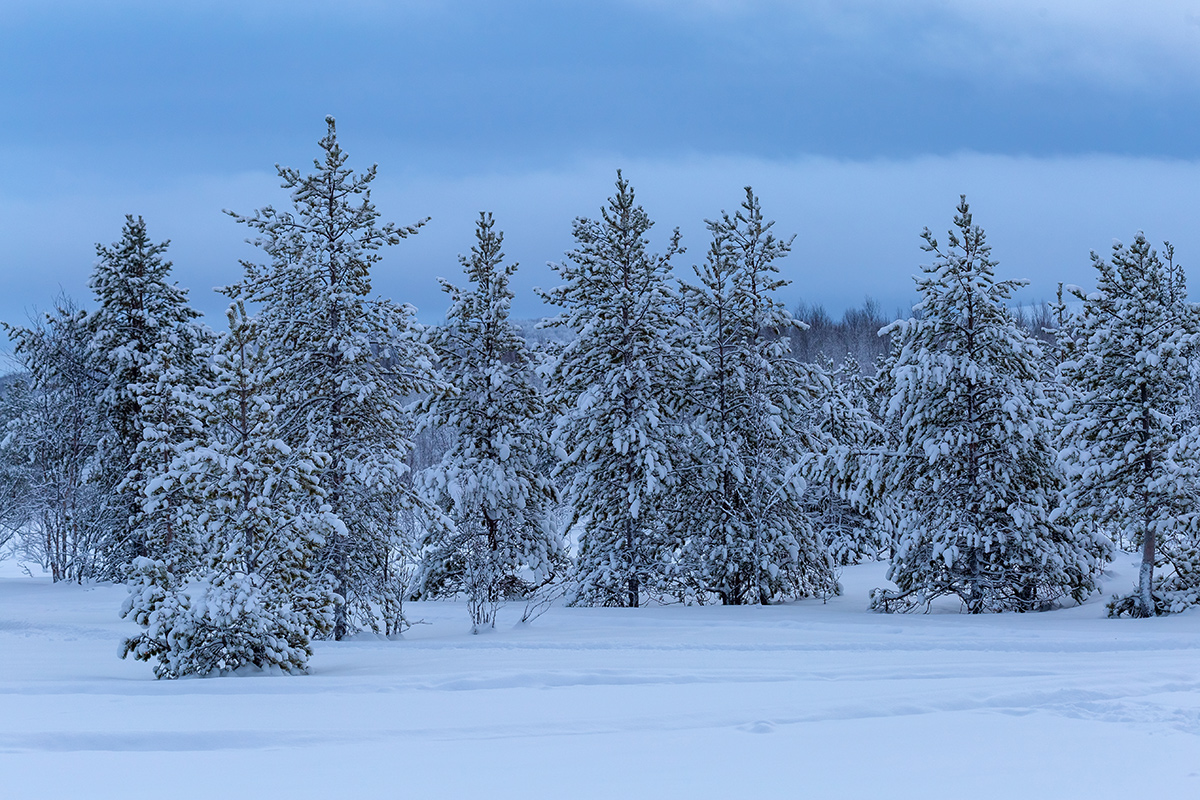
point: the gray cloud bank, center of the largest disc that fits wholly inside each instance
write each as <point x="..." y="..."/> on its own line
<point x="859" y="122"/>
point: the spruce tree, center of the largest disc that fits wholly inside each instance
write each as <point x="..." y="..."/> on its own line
<point x="349" y="364"/>
<point x="845" y="518"/>
<point x="1130" y="438"/>
<point x="746" y="534"/>
<point x="618" y="391"/>
<point x="492" y="480"/>
<point x="975" y="475"/>
<point x="148" y="345"/>
<point x="253" y="507"/>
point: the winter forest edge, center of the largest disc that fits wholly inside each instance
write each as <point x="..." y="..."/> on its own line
<point x="670" y="435"/>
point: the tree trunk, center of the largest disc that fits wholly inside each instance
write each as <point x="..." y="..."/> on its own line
<point x="634" y="587"/>
<point x="1146" y="576"/>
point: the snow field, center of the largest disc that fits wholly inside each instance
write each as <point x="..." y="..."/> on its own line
<point x="797" y="700"/>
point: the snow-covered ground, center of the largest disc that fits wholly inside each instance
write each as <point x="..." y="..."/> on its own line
<point x="803" y="700"/>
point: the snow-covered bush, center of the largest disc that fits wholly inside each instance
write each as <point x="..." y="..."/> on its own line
<point x="252" y="505"/>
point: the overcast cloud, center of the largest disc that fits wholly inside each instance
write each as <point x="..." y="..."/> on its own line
<point x="1067" y="124"/>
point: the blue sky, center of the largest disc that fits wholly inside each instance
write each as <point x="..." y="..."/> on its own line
<point x="1067" y="124"/>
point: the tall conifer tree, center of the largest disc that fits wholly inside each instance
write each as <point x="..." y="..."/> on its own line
<point x="150" y="348"/>
<point x="618" y="390"/>
<point x="352" y="363"/>
<point x="492" y="480"/>
<point x="1130" y="437"/>
<point x="741" y="512"/>
<point x="975" y="476"/>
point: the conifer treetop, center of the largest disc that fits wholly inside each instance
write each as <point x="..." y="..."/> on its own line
<point x="612" y="261"/>
<point x="333" y="235"/>
<point x="963" y="267"/>
<point x="746" y="237"/>
<point x="131" y="281"/>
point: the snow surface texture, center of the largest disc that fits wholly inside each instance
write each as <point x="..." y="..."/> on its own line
<point x="799" y="700"/>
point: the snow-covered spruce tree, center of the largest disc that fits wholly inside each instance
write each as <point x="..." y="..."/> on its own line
<point x="617" y="388"/>
<point x="49" y="440"/>
<point x="492" y="480"/>
<point x="740" y="510"/>
<point x="349" y="364"/>
<point x="1130" y="438"/>
<point x="975" y="474"/>
<point x="844" y="517"/>
<point x="254" y="508"/>
<point x="147" y="343"/>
